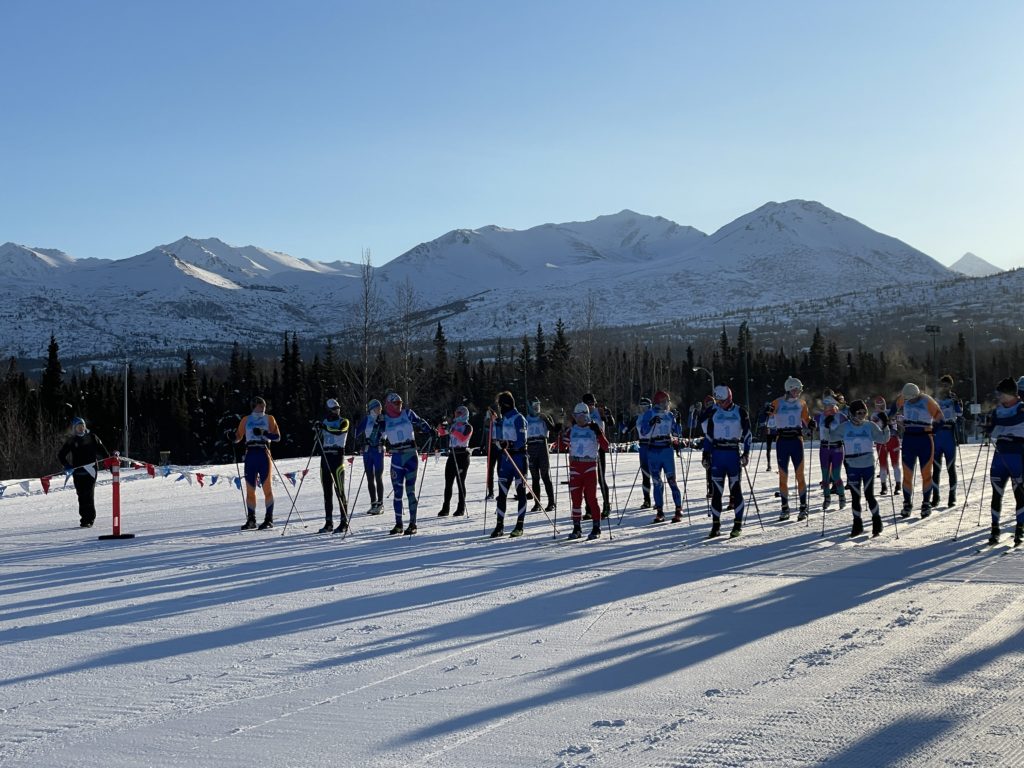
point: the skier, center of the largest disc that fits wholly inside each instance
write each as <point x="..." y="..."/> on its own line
<point x="945" y="439"/>
<point x="538" y="427"/>
<point x="258" y="430"/>
<point x="643" y="444"/>
<point x="457" y="465"/>
<point x="858" y="435"/>
<point x="921" y="417"/>
<point x="585" y="443"/>
<point x="791" y="419"/>
<point x="511" y="446"/>
<point x="369" y="434"/>
<point x="1007" y="430"/>
<point x="78" y="455"/>
<point x="400" y="425"/>
<point x="769" y="432"/>
<point x="332" y="433"/>
<point x="660" y="428"/>
<point x="727" y="440"/>
<point x="493" y="452"/>
<point x="830" y="451"/>
<point x="889" y="452"/>
<point x="603" y="418"/>
<point x="707" y="410"/>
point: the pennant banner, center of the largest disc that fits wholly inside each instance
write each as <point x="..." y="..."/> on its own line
<point x="199" y="478"/>
<point x="23" y="485"/>
<point x="46" y="484"/>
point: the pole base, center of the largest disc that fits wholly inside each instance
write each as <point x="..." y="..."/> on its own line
<point x="117" y="536"/>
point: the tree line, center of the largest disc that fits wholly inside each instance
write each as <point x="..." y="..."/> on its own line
<point x="184" y="413"/>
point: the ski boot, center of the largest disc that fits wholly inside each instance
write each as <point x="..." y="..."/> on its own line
<point x="935" y="496"/>
<point x="926" y="510"/>
<point x="249" y="525"/>
<point x="577" y="533"/>
<point x="897" y="490"/>
<point x="737" y="527"/>
<point x="342" y="526"/>
<point x="396" y="530"/>
<point x="907" y="509"/>
<point x="499" y="530"/>
<point x="784" y="515"/>
<point x="646" y="504"/>
<point x="826" y="503"/>
<point x="460" y="511"/>
<point x="993" y="538"/>
<point x="443" y="512"/>
<point x="802" y="514"/>
<point x="490" y="494"/>
<point x="536" y="506"/>
<point x="678" y="516"/>
<point x="659" y="516"/>
<point x="842" y="501"/>
<point x="517" y="531"/>
<point x="267" y="524"/>
<point x="606" y="511"/>
<point x="876" y="525"/>
<point x="376" y="508"/>
<point x="595" y="533"/>
<point x="716" y="527"/>
<point x="769" y="469"/>
<point x="885" y="490"/>
<point x="328" y="526"/>
<point x="410" y="530"/>
<point x="1018" y="534"/>
<point x="858" y="527"/>
<point x="551" y="507"/>
<point x="952" y="498"/>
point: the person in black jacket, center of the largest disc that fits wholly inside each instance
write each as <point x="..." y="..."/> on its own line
<point x="79" y="456"/>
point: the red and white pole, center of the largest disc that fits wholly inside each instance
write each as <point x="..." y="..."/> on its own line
<point x="114" y="465"/>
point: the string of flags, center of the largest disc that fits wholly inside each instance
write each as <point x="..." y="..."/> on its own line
<point x="189" y="476"/>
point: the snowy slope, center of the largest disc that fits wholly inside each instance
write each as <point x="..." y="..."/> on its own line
<point x="974" y="266"/>
<point x="196" y="645"/>
<point x="234" y="262"/>
<point x="20" y="263"/>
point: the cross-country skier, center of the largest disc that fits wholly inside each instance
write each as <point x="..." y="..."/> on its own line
<point x="1007" y="431"/>
<point x="888" y="452"/>
<point x="791" y="419"/>
<point x="945" y="439"/>
<point x="660" y="428"/>
<point x="369" y="438"/>
<point x="585" y="443"/>
<point x="400" y="425"/>
<point x="511" y="446"/>
<point x="859" y="436"/>
<point x="770" y="431"/>
<point x="643" y="448"/>
<point x="727" y="440"/>
<point x="457" y="465"/>
<point x="831" y="451"/>
<point x="707" y="409"/>
<point x="494" y="453"/>
<point x="538" y="428"/>
<point x="258" y="430"/>
<point x="332" y="432"/>
<point x="921" y="417"/>
<point x="603" y="418"/>
<point x="78" y="455"/>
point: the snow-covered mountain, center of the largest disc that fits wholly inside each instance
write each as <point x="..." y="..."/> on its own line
<point x="974" y="266"/>
<point x="639" y="270"/>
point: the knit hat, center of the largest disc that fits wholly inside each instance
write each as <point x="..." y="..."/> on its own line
<point x="1007" y="387"/>
<point x="911" y="391"/>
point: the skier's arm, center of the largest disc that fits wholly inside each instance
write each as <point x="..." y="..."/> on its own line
<point x="272" y="433"/>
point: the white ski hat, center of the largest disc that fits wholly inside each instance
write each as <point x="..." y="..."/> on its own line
<point x="581" y="409"/>
<point x="332" y="404"/>
<point x="793" y="383"/>
<point x="911" y="390"/>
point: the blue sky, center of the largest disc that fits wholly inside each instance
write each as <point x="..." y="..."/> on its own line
<point x="321" y="128"/>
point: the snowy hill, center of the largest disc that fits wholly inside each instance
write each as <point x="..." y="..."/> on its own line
<point x="974" y="266"/>
<point x="631" y="269"/>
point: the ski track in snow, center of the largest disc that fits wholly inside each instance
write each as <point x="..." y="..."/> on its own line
<point x="196" y="644"/>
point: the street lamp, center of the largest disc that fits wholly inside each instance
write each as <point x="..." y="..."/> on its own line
<point x="933" y="331"/>
<point x="708" y="372"/>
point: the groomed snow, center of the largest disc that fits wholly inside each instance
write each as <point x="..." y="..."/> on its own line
<point x="196" y="645"/>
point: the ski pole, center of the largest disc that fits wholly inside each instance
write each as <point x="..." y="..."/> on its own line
<point x="529" y="490"/>
<point x="753" y="498"/>
<point x="359" y="487"/>
<point x="316" y="442"/>
<point x="626" y="505"/>
<point x="970" y="483"/>
<point x="459" y="478"/>
<point x="981" y="504"/>
<point x="238" y="474"/>
<point x="487" y="471"/>
<point x="809" y="484"/>
<point x="426" y="460"/>
<point x="685" y="500"/>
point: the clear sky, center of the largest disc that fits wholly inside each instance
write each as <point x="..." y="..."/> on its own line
<point x="321" y="128"/>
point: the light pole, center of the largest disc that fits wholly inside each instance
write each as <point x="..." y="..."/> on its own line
<point x="708" y="372"/>
<point x="933" y="331"/>
<point x="974" y="358"/>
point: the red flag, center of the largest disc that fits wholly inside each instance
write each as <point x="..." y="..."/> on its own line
<point x="46" y="484"/>
<point x="305" y="472"/>
<point x="151" y="470"/>
<point x="199" y="477"/>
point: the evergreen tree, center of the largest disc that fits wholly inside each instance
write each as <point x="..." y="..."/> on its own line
<point x="50" y="396"/>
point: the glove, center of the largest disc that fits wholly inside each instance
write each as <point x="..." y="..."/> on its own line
<point x="744" y="458"/>
<point x="829" y="421"/>
<point x="705" y="460"/>
<point x="883" y="420"/>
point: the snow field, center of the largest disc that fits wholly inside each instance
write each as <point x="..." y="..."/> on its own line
<point x="197" y="644"/>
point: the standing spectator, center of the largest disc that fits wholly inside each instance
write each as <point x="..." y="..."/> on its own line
<point x="79" y="456"/>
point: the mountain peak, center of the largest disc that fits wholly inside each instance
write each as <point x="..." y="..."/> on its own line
<point x="974" y="266"/>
